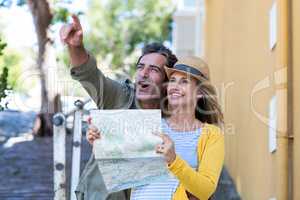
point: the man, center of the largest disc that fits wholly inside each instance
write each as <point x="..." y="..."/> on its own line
<point x="109" y="94"/>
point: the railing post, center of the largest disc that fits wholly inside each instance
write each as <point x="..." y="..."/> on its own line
<point x="59" y="156"/>
<point x="77" y="135"/>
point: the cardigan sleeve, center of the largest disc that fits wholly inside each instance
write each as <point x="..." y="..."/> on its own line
<point x="202" y="183"/>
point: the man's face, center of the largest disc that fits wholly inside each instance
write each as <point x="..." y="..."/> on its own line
<point x="150" y="77"/>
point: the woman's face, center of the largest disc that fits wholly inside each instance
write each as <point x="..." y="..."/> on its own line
<point x="182" y="91"/>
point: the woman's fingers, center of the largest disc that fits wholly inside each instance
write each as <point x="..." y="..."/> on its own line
<point x="92" y="135"/>
<point x="91" y="139"/>
<point x="93" y="132"/>
<point x="96" y="134"/>
<point x="167" y="148"/>
<point x="158" y="149"/>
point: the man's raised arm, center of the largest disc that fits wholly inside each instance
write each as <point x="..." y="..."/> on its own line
<point x="105" y="92"/>
<point x="72" y="36"/>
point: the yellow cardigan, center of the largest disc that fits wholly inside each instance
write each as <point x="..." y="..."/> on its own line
<point x="203" y="182"/>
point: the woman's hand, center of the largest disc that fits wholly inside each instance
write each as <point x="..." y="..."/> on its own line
<point x="93" y="133"/>
<point x="167" y="148"/>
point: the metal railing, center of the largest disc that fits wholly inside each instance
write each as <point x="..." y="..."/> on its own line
<point x="59" y="150"/>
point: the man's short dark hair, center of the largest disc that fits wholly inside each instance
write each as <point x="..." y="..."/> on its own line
<point x="160" y="49"/>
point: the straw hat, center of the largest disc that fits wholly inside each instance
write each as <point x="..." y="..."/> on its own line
<point x="191" y="65"/>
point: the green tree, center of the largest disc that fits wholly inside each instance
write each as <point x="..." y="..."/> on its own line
<point x="43" y="17"/>
<point x="3" y="77"/>
<point x="119" y="27"/>
<point x="12" y="59"/>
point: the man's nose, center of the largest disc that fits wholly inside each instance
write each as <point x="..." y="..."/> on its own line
<point x="145" y="72"/>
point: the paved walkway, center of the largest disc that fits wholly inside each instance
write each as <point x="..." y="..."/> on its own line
<point x="26" y="169"/>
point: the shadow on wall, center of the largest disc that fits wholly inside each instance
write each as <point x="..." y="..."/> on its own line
<point x="226" y="189"/>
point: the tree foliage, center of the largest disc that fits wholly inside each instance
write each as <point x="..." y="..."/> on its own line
<point x="12" y="60"/>
<point x="119" y="27"/>
<point x="3" y="77"/>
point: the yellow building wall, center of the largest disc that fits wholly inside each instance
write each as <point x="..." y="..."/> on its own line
<point x="296" y="95"/>
<point x="237" y="51"/>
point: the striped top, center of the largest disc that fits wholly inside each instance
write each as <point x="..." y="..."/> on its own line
<point x="186" y="148"/>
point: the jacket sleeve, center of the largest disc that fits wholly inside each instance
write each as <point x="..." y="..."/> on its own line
<point x="202" y="183"/>
<point x="106" y="93"/>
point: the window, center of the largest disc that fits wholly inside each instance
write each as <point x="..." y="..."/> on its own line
<point x="189" y="3"/>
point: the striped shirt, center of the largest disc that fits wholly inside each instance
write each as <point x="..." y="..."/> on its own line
<point x="186" y="148"/>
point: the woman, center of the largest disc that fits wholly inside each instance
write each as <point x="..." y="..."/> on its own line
<point x="193" y="145"/>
